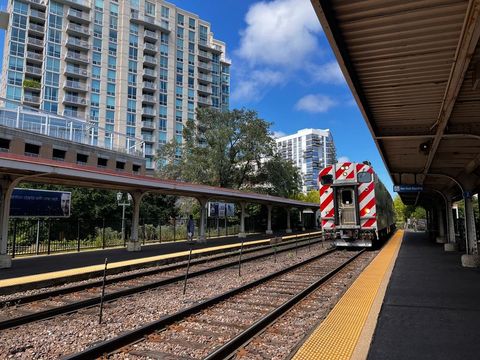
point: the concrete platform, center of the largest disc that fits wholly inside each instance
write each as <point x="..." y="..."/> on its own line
<point x="431" y="309"/>
<point x="38" y="271"/>
<point x="414" y="301"/>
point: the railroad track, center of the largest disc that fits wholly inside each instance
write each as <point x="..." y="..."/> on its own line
<point x="218" y="327"/>
<point x="27" y="309"/>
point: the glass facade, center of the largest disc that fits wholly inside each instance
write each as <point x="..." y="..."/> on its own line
<point x="72" y="58"/>
<point x="310" y="150"/>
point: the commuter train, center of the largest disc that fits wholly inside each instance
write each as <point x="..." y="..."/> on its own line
<point x="356" y="208"/>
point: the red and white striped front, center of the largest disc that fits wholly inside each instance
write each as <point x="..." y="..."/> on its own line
<point x="366" y="200"/>
<point x="344" y="171"/>
<point x="327" y="211"/>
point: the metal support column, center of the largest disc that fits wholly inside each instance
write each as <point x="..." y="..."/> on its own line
<point x="451" y="245"/>
<point x="241" y="234"/>
<point x="269" y="220"/>
<point x="7" y="187"/>
<point x="203" y="216"/>
<point x="471" y="258"/>
<point x="289" y="229"/>
<point x="441" y="225"/>
<point x="134" y="244"/>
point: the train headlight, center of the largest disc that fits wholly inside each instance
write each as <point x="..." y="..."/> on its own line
<point x="367" y="211"/>
<point x="344" y="173"/>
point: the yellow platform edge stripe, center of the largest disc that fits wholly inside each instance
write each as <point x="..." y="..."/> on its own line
<point x="339" y="335"/>
<point x="93" y="268"/>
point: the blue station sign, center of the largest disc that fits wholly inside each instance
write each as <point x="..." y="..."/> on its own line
<point x="40" y="203"/>
<point x="407" y="188"/>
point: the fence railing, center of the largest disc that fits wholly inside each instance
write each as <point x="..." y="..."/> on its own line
<point x="48" y="236"/>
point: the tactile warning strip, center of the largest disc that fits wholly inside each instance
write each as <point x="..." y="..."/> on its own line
<point x="336" y="337"/>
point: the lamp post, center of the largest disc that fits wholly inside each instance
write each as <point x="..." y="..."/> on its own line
<point x="123" y="203"/>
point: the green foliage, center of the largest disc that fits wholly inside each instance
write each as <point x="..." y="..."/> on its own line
<point x="228" y="149"/>
<point x="33" y="84"/>
<point x="403" y="212"/>
<point x="313" y="196"/>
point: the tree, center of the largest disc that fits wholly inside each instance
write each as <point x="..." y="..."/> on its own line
<point x="231" y="149"/>
<point x="399" y="208"/>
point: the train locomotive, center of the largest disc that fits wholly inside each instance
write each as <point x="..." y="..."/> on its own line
<point x="356" y="208"/>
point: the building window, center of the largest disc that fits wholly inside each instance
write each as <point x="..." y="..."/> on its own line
<point x="149" y="8"/>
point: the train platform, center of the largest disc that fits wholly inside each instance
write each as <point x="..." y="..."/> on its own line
<point x="44" y="270"/>
<point x="414" y="301"/>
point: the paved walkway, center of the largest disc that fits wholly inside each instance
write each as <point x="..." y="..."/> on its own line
<point x="431" y="309"/>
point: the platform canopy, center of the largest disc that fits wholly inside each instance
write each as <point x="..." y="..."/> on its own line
<point x="413" y="67"/>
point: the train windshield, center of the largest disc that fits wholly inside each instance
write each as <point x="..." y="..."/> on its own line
<point x="326" y="179"/>
<point x="364" y="177"/>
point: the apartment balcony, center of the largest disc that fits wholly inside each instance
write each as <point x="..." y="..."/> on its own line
<point x="74" y="43"/>
<point x="31" y="99"/>
<point x="85" y="4"/>
<point x="149" y="60"/>
<point x="148" y="124"/>
<point x="75" y="100"/>
<point x="204" y="67"/>
<point x="206" y="90"/>
<point x="204" y="101"/>
<point x="36" y="28"/>
<point x="78" y="30"/>
<point x="77" y="57"/>
<point x="35" y="42"/>
<point x="39" y="15"/>
<point x="147" y="111"/>
<point x="148" y="138"/>
<point x="32" y="85"/>
<point x="41" y="4"/>
<point x="151" y="35"/>
<point x="78" y="16"/>
<point x="149" y="21"/>
<point x="204" y="78"/>
<point x="74" y="113"/>
<point x="75" y="86"/>
<point x="149" y="85"/>
<point x="34" y="56"/>
<point x="150" y="99"/>
<point x="150" y="48"/>
<point x="204" y="55"/>
<point x="33" y="70"/>
<point x="149" y="73"/>
<point x="205" y="45"/>
<point x="75" y="71"/>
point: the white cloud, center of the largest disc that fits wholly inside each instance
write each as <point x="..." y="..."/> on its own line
<point x="278" y="134"/>
<point x="315" y="103"/>
<point x="253" y="85"/>
<point x="279" y="32"/>
<point x="328" y="73"/>
<point x="343" y="159"/>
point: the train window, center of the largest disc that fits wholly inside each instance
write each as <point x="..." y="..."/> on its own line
<point x="364" y="177"/>
<point x="326" y="179"/>
<point x="347" y="197"/>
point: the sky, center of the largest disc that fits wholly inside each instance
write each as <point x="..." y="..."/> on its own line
<point x="283" y="67"/>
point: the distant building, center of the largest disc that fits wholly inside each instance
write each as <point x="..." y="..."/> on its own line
<point x="311" y="150"/>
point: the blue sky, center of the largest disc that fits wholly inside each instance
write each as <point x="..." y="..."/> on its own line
<point x="283" y="67"/>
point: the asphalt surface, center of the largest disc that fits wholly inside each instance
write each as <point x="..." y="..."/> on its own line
<point x="431" y="309"/>
<point x="47" y="263"/>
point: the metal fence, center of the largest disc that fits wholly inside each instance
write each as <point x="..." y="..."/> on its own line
<point x="47" y="236"/>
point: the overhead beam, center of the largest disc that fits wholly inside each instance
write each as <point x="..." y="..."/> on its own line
<point x="427" y="136"/>
<point x="465" y="49"/>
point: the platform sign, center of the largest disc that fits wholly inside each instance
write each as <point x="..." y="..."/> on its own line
<point x="40" y="203"/>
<point x="407" y="188"/>
<point x="220" y="209"/>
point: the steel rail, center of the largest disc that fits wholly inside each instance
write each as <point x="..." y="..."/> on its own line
<point x="75" y="306"/>
<point x="228" y="349"/>
<point x="199" y="260"/>
<point x="131" y="336"/>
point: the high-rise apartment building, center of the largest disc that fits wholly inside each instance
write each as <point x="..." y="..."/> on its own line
<point x="136" y="67"/>
<point x="310" y="150"/>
